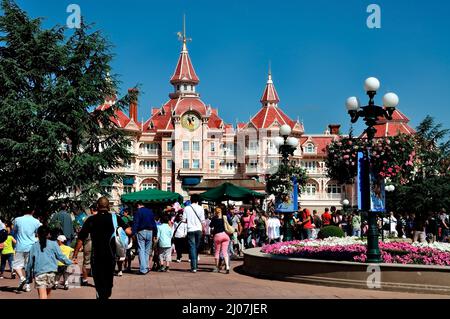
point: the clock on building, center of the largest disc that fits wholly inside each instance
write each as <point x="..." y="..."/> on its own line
<point x="190" y="121"/>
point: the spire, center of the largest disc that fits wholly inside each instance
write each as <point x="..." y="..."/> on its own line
<point x="184" y="71"/>
<point x="270" y="95"/>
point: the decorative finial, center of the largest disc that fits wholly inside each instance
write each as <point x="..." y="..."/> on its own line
<point x="269" y="77"/>
<point x="182" y="35"/>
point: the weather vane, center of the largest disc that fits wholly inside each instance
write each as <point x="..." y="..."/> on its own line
<point x="182" y="35"/>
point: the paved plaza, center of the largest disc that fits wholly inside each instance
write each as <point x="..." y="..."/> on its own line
<point x="179" y="283"/>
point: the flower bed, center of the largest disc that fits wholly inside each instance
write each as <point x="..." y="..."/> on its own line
<point x="354" y="249"/>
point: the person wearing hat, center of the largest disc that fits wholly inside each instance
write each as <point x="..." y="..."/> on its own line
<point x="62" y="268"/>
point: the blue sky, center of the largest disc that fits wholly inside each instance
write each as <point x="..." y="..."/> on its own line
<point x="321" y="52"/>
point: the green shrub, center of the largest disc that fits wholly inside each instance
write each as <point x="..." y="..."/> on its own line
<point x="330" y="231"/>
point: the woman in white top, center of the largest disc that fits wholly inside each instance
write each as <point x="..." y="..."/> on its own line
<point x="180" y="233"/>
<point x="273" y="228"/>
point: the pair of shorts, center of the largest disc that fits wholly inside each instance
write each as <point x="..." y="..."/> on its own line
<point x="45" y="281"/>
<point x="20" y="259"/>
<point x="87" y="249"/>
<point x="165" y="254"/>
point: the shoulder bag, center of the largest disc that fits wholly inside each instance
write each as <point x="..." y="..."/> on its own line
<point x="228" y="228"/>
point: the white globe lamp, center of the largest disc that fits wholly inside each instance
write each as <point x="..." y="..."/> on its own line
<point x="352" y="103"/>
<point x="285" y="130"/>
<point x="371" y="84"/>
<point x="390" y="100"/>
<point x="278" y="141"/>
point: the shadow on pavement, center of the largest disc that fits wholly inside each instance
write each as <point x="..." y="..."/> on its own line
<point x="8" y="289"/>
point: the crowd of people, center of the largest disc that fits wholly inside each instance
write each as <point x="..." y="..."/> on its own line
<point x="43" y="250"/>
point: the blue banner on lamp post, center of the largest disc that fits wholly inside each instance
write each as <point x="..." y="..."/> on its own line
<point x="371" y="192"/>
<point x="288" y="204"/>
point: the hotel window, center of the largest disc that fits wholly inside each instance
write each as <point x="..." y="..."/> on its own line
<point x="195" y="163"/>
<point x="311" y="189"/>
<point x="169" y="146"/>
<point x="145" y="186"/>
<point x="127" y="163"/>
<point x="309" y="148"/>
<point x="169" y="164"/>
<point x="185" y="146"/>
<point x="213" y="147"/>
<point x="185" y="163"/>
<point x="212" y="164"/>
<point x="169" y="186"/>
<point x="310" y="166"/>
<point x="253" y="163"/>
<point x="152" y="165"/>
<point x="253" y="145"/>
<point x="150" y="148"/>
<point x="128" y="189"/>
<point x="334" y="189"/>
<point x="196" y="146"/>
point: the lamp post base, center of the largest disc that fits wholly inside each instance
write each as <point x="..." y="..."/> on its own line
<point x="373" y="250"/>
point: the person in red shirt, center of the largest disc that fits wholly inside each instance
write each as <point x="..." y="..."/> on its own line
<point x="307" y="224"/>
<point x="326" y="218"/>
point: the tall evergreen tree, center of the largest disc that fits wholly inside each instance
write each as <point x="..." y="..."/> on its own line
<point x="50" y="139"/>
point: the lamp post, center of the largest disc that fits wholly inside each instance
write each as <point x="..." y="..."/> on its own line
<point x="370" y="114"/>
<point x="287" y="144"/>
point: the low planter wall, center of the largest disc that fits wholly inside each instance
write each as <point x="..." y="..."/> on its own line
<point x="392" y="277"/>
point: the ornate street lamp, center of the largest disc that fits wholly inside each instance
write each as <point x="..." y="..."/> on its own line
<point x="287" y="144"/>
<point x="370" y="114"/>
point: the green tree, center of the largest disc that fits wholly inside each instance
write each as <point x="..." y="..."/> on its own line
<point x="429" y="189"/>
<point x="432" y="148"/>
<point x="50" y="139"/>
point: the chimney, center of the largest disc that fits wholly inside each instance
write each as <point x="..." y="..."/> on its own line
<point x="133" y="103"/>
<point x="334" y="129"/>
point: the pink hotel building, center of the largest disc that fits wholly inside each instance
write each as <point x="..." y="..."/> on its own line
<point x="185" y="145"/>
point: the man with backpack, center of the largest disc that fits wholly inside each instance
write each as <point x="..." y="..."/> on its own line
<point x="102" y="229"/>
<point x="194" y="216"/>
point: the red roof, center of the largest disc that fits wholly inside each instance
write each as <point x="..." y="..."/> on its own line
<point x="320" y="143"/>
<point x="270" y="94"/>
<point x="161" y="118"/>
<point x="184" y="71"/>
<point x="398" y="125"/>
<point x="268" y="115"/>
<point x="184" y="104"/>
<point x="214" y="121"/>
<point x="120" y="119"/>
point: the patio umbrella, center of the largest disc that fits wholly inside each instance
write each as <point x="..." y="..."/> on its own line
<point x="152" y="196"/>
<point x="228" y="191"/>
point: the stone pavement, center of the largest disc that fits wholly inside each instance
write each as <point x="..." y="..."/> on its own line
<point x="179" y="283"/>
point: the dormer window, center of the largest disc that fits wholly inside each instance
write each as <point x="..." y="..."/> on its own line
<point x="178" y="87"/>
<point x="185" y="87"/>
<point x="310" y="148"/>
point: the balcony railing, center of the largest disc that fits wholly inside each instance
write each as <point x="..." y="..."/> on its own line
<point x="322" y="196"/>
<point x="149" y="153"/>
<point x="251" y="169"/>
<point x="252" y="151"/>
<point x="228" y="171"/>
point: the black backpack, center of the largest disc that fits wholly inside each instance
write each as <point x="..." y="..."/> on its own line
<point x="3" y="235"/>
